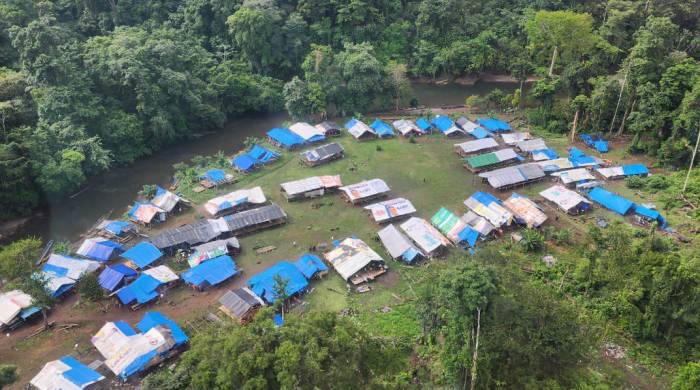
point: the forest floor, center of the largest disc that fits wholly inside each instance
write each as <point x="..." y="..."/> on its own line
<point x="427" y="172"/>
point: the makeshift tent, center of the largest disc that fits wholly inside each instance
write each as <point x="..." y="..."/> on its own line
<point x="165" y="200"/>
<point x="118" y="229"/>
<point x="11" y="305"/>
<point x="162" y="273"/>
<point x="595" y="142"/>
<point x="425" y="236"/>
<point x="322" y="154"/>
<point x="382" y="129"/>
<point x="454" y="228"/>
<point x="310" y="265"/>
<point x="446" y="126"/>
<point x="255" y="219"/>
<point x="355" y="261"/>
<point x="567" y="200"/>
<point x="142" y="290"/>
<point x="257" y="155"/>
<point x="611" y="201"/>
<point x="211" y="272"/>
<point x="398" y="245"/>
<point x="650" y="214"/>
<point x="153" y="319"/>
<point x="99" y="249"/>
<point x="531" y="145"/>
<point x="310" y="187"/>
<point x="623" y="171"/>
<point x="66" y="373"/>
<point x="544" y="154"/>
<point x="493" y="125"/>
<point x="489" y="207"/>
<point x="70" y="267"/>
<point x="478" y="223"/>
<point x="235" y="201"/>
<point x="365" y="191"/>
<point x="556" y="164"/>
<point x="423" y="124"/>
<point x="512" y="176"/>
<point x="407" y="128"/>
<point x="526" y="211"/>
<point x="143" y="254"/>
<point x="390" y="210"/>
<point x="56" y="284"/>
<point x="307" y="132"/>
<point x="515" y="137"/>
<point x="490" y="160"/>
<point x="329" y="129"/>
<point x="574" y="176"/>
<point x="185" y="236"/>
<point x="215" y="176"/>
<point x="213" y="249"/>
<point x="146" y="213"/>
<point x="240" y="304"/>
<point x="579" y="159"/>
<point x="264" y="284"/>
<point x="114" y="275"/>
<point x="284" y="138"/>
<point x="479" y="145"/>
<point x="359" y="129"/>
<point x="472" y="128"/>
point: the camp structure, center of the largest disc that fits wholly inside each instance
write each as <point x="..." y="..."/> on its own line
<point x="212" y="249"/>
<point x="424" y="125"/>
<point x="116" y="275"/>
<point x="572" y="177"/>
<point x="531" y="145"/>
<point x="311" y="187"/>
<point x="428" y="239"/>
<point x="15" y="307"/>
<point x="517" y="175"/>
<point x="211" y="272"/>
<point x="98" y="248"/>
<point x="311" y="266"/>
<point x="544" y="154"/>
<point x="579" y="159"/>
<point x="359" y="130"/>
<point x="62" y="272"/>
<point x="186" y="236"/>
<point x="235" y="201"/>
<point x="645" y="215"/>
<point x="622" y="171"/>
<point x="240" y="304"/>
<point x="252" y="220"/>
<point x="568" y="201"/>
<point x="365" y="191"/>
<point x="526" y="211"/>
<point x="407" y="128"/>
<point x="611" y="201"/>
<point x="128" y="352"/>
<point x="468" y="148"/>
<point x="322" y="154"/>
<point x="215" y="177"/>
<point x="167" y="201"/>
<point x="491" y="160"/>
<point x="472" y="128"/>
<point x="447" y="126"/>
<point x="146" y="213"/>
<point x="255" y="157"/>
<point x="329" y="129"/>
<point x="120" y="231"/>
<point x="355" y="261"/>
<point x="478" y="223"/>
<point x="308" y="133"/>
<point x="266" y="286"/>
<point x="398" y="245"/>
<point x="146" y="287"/>
<point x="494" y="125"/>
<point x="391" y="210"/>
<point x="142" y="254"/>
<point x="489" y="207"/>
<point x="595" y="141"/>
<point x="556" y="165"/>
<point x="515" y="137"/>
<point x="454" y="228"/>
<point x="382" y="129"/>
<point x="284" y="138"/>
<point x="66" y="373"/>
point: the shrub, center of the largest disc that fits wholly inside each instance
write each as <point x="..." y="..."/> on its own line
<point x="532" y="240"/>
<point x="635" y="182"/>
<point x="89" y="288"/>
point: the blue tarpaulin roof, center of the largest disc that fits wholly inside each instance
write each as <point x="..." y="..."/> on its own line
<point x="550" y="153"/>
<point x="278" y="320"/>
<point x="469" y="236"/>
<point x="410" y="255"/>
<point x="309" y="265"/>
<point x="125" y="328"/>
<point x="480" y="133"/>
<point x="153" y="318"/>
<point x="113" y="275"/>
<point x="423" y="124"/>
<point x="138" y="364"/>
<point x="261" y="154"/>
<point x="141" y="290"/>
<point x="263" y="283"/>
<point x="611" y="201"/>
<point x="143" y="254"/>
<point x="285" y="137"/>
<point x="214" y="175"/>
<point x="635" y="169"/>
<point x="382" y="128"/>
<point x="117" y="227"/>
<point x="493" y="124"/>
<point x="601" y="146"/>
<point x="485" y="198"/>
<point x="650" y="214"/>
<point x="244" y="162"/>
<point x="79" y="374"/>
<point x="575" y="152"/>
<point x="595" y="142"/>
<point x="350" y="123"/>
<point x="442" y="123"/>
<point x="101" y="250"/>
<point x="211" y="272"/>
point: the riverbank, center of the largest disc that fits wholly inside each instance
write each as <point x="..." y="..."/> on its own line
<point x="473" y="80"/>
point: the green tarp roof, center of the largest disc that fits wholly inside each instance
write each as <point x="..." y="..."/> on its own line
<point x="483" y="160"/>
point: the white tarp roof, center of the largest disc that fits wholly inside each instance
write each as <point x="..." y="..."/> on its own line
<point x="389" y="209"/>
<point x="365" y="189"/>
<point x="311" y="184"/>
<point x="51" y="378"/>
<point x="477" y="145"/>
<point x="162" y="273"/>
<point x="305" y="130"/>
<point x="424" y="234"/>
<point x="611" y="172"/>
<point x="395" y="242"/>
<point x="166" y="200"/>
<point x="574" y="175"/>
<point x="556" y="164"/>
<point x="494" y="212"/>
<point x="351" y="256"/>
<point x="405" y="126"/>
<point x="530" y="145"/>
<point x="109" y="340"/>
<point x="526" y="210"/>
<point x="478" y="223"/>
<point x="253" y="195"/>
<point x="514" y="138"/>
<point x="76" y="267"/>
<point x="137" y="346"/>
<point x="505" y="154"/>
<point x="11" y="304"/>
<point x="359" y="129"/>
<point x="563" y="197"/>
<point x="467" y="125"/>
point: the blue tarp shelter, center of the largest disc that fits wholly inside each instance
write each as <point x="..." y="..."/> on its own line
<point x="480" y="133"/>
<point x="285" y="138"/>
<point x="601" y="146"/>
<point x="211" y="272"/>
<point x="125" y="328"/>
<point x="650" y="214"/>
<point x="382" y="128"/>
<point x="635" y="169"/>
<point x="493" y="125"/>
<point x="262" y="155"/>
<point x="575" y="152"/>
<point x="611" y="201"/>
<point x="351" y="123"/>
<point x="546" y="154"/>
<point x="98" y="249"/>
<point x="77" y="376"/>
<point x="442" y="123"/>
<point x="469" y="236"/>
<point x="310" y="265"/>
<point x="244" y="162"/>
<point x="141" y="290"/>
<point x="485" y="198"/>
<point x="214" y="175"/>
<point x="153" y="318"/>
<point x="143" y="254"/>
<point x="118" y="228"/>
<point x="113" y="275"/>
<point x="595" y="142"/>
<point x="263" y="284"/>
<point x="423" y="124"/>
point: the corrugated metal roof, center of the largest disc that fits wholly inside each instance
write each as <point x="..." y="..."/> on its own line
<point x="564" y="198"/>
<point x="249" y="218"/>
<point x="394" y="241"/>
<point x="525" y="210"/>
<point x="530" y="145"/>
<point x="514" y="138"/>
<point x="574" y="175"/>
<point x="310" y="184"/>
<point x="477" y="145"/>
<point x="240" y="301"/>
<point x="323" y="152"/>
<point x="351" y="256"/>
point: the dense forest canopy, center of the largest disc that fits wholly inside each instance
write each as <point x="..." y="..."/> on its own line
<point x="85" y="85"/>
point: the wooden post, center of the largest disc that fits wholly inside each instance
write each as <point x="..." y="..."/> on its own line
<point x="573" y="127"/>
<point x="554" y="58"/>
<point x="692" y="160"/>
<point x="619" y="99"/>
